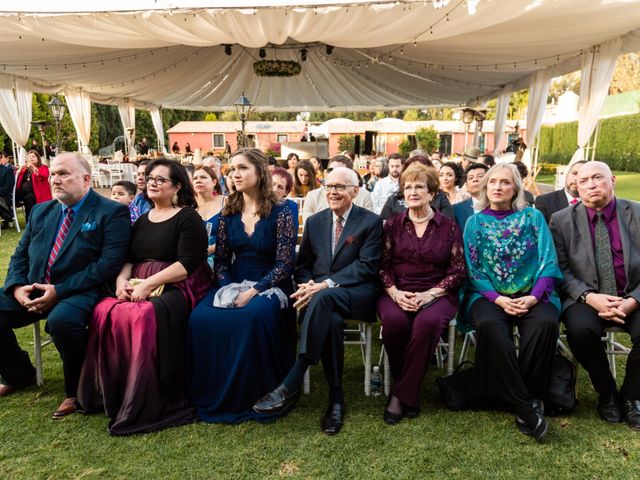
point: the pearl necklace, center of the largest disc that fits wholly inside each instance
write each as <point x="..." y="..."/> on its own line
<point x="421" y="220"/>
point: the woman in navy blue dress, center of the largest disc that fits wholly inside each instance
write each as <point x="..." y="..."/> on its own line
<point x="241" y="351"/>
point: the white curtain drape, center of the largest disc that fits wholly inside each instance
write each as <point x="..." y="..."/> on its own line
<point x="538" y="92"/>
<point x="597" y="69"/>
<point x="16" y="99"/>
<point x="502" y="107"/>
<point x="79" y="105"/>
<point x="128" y="116"/>
<point x="156" y="118"/>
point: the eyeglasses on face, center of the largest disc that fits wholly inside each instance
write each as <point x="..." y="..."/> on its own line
<point x="415" y="188"/>
<point x="337" y="186"/>
<point x="157" y="181"/>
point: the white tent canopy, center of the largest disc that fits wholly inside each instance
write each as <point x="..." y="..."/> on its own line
<point x="387" y="55"/>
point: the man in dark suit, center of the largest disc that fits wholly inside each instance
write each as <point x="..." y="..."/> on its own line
<point x="336" y="272"/>
<point x="7" y="182"/>
<point x="463" y="210"/>
<point x="553" y="202"/>
<point x="598" y="244"/>
<point x="71" y="246"/>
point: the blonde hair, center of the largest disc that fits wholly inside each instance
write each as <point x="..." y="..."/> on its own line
<point x="518" y="201"/>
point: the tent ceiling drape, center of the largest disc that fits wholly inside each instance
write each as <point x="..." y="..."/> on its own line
<point x="387" y="55"/>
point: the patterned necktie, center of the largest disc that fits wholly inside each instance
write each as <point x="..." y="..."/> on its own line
<point x="57" y="245"/>
<point x="604" y="258"/>
<point x="339" y="227"/>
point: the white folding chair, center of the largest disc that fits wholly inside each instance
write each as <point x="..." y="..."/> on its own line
<point x="362" y="336"/>
<point x="443" y="348"/>
<point x="613" y="347"/>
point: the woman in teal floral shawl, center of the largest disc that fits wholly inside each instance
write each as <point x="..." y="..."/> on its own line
<point x="513" y="268"/>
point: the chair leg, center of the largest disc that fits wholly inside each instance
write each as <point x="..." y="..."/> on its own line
<point x="469" y="338"/>
<point x="306" y="383"/>
<point x="367" y="358"/>
<point x="387" y="372"/>
<point x="37" y="347"/>
<point x="452" y="345"/>
<point x="611" y="353"/>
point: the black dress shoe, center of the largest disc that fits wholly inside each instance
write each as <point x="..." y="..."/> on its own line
<point x="411" y="412"/>
<point x="631" y="410"/>
<point x="609" y="408"/>
<point x="333" y="418"/>
<point x="277" y="401"/>
<point x="539" y="426"/>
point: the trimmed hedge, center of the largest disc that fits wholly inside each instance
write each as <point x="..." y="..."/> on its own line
<point x="618" y="143"/>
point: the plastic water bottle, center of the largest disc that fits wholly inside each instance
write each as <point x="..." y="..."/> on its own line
<point x="376" y="381"/>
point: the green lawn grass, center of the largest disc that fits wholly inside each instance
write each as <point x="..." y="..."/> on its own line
<point x="627" y="184"/>
<point x="438" y="444"/>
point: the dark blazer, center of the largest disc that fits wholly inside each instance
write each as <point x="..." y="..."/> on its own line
<point x="462" y="211"/>
<point x="7" y="180"/>
<point x="354" y="265"/>
<point x="576" y="256"/>
<point x="551" y="202"/>
<point x="92" y="254"/>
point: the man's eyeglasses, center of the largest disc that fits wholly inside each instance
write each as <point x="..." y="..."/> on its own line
<point x="338" y="187"/>
<point x="157" y="181"/>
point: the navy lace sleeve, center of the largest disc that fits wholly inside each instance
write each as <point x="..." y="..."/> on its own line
<point x="223" y="254"/>
<point x="286" y="236"/>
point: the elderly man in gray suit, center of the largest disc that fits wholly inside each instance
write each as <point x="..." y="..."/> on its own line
<point x="598" y="244"/>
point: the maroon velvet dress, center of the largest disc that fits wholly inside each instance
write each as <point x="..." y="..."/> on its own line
<point x="134" y="369"/>
<point x="415" y="265"/>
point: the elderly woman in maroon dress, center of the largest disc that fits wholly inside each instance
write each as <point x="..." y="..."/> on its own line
<point x="422" y="268"/>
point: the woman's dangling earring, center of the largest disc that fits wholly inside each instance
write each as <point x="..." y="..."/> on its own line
<point x="174" y="199"/>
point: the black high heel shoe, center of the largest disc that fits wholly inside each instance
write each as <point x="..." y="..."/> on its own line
<point x="391" y="418"/>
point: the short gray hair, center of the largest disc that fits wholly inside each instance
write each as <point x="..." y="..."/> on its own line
<point x="419" y="152"/>
<point x="518" y="201"/>
<point x="82" y="162"/>
<point x="353" y="176"/>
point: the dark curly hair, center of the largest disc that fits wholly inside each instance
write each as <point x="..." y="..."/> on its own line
<point x="266" y="198"/>
<point x="178" y="176"/>
<point x="458" y="173"/>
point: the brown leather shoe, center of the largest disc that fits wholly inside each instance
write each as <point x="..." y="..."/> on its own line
<point x="67" y="407"/>
<point x="7" y="390"/>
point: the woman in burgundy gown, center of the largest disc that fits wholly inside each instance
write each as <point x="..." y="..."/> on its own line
<point x="422" y="269"/>
<point x="135" y="363"/>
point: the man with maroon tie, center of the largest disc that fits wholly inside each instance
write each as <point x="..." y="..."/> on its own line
<point x="71" y="247"/>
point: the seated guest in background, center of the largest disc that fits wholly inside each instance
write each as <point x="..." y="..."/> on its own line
<point x="292" y="161"/>
<point x="487" y="159"/>
<point x="524" y="173"/>
<point x="7" y="181"/>
<point x="242" y="335"/>
<point x="175" y="148"/>
<point x="598" y="243"/>
<point x="436" y="159"/>
<point x="512" y="272"/>
<point x="282" y="185"/>
<point x="316" y="200"/>
<point x="451" y="181"/>
<point x="187" y="149"/>
<point x="140" y="204"/>
<point x="552" y="202"/>
<point x="209" y="200"/>
<point x="463" y="210"/>
<point x="272" y="164"/>
<point x="134" y="369"/>
<point x="379" y="170"/>
<point x="317" y="166"/>
<point x="32" y="183"/>
<point x="216" y="165"/>
<point x="396" y="204"/>
<point x="123" y="192"/>
<point x="70" y="249"/>
<point x="470" y="155"/>
<point x="304" y="180"/>
<point x="422" y="269"/>
<point x="336" y="275"/>
<point x="387" y="186"/>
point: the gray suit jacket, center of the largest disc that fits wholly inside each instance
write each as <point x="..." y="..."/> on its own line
<point x="576" y="256"/>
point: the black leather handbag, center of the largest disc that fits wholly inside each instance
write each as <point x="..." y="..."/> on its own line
<point x="562" y="396"/>
<point x="455" y="389"/>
